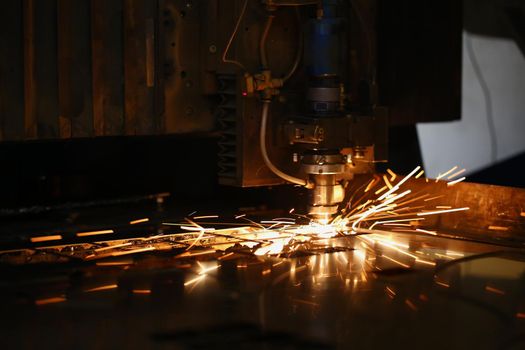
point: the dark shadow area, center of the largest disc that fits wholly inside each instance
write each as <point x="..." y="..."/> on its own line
<point x="101" y="170"/>
<point x="404" y="153"/>
<point x="506" y="173"/>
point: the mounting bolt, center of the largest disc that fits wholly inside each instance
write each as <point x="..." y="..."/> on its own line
<point x="212" y="49"/>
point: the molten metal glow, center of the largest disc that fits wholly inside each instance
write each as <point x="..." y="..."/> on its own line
<point x="46" y="238"/>
<point x="94" y="233"/>
<point x="381" y="207"/>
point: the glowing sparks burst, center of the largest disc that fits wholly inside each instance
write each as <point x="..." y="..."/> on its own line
<point x="392" y="206"/>
<point x="381" y="206"/>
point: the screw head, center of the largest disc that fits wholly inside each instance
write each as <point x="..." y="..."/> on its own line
<point x="212" y="49"/>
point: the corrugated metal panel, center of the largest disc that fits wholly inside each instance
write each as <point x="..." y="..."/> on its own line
<point x="79" y="68"/>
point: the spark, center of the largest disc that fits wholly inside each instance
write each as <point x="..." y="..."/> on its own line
<point x="494" y="290"/>
<point x="194" y="280"/>
<point x="94" y="233"/>
<point x="376" y="209"/>
<point x="206" y="217"/>
<point x="52" y="300"/>
<point x="113" y="263"/>
<point x="364" y="205"/>
<point x="278" y="222"/>
<point x="370" y="185"/>
<point x="452" y="183"/>
<point x="456" y="174"/>
<point x="443" y="284"/>
<point x="141" y="291"/>
<point x="392" y="174"/>
<point x="434" y="233"/>
<point x="382" y="189"/>
<point x="419" y="174"/>
<point x="222" y="257"/>
<point x="442" y="211"/>
<point x="410" y="304"/>
<point x="398" y="185"/>
<point x="138" y="221"/>
<point x="202" y="230"/>
<point x="434" y="198"/>
<point x="101" y="288"/>
<point x="498" y="228"/>
<point x="422" y="261"/>
<point x="389" y="185"/>
<point x="440" y="176"/>
<point x="208" y="269"/>
<point x="197" y="229"/>
<point x="46" y="238"/>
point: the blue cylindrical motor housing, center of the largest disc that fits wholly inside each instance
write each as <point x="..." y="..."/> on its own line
<point x="325" y="43"/>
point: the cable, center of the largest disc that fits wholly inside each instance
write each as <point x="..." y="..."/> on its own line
<point x="487" y="96"/>
<point x="262" y="46"/>
<point x="299" y="48"/>
<point x="262" y="43"/>
<point x="235" y="30"/>
<point x="264" y="152"/>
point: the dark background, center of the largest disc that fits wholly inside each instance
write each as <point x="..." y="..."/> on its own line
<point x="52" y="172"/>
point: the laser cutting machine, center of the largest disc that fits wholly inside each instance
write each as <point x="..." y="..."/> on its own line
<point x="146" y="144"/>
<point x="327" y="122"/>
<point x="267" y="92"/>
<point x="329" y="137"/>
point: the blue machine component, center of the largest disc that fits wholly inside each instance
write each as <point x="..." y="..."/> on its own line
<point x="325" y="42"/>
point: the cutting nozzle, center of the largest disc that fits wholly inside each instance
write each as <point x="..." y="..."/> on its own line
<point x="327" y="193"/>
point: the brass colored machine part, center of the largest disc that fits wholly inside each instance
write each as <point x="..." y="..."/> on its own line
<point x="324" y="171"/>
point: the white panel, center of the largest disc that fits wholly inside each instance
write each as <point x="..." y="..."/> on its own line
<point x="467" y="143"/>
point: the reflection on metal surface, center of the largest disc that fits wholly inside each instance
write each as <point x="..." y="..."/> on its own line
<point x="376" y="272"/>
<point x="364" y="281"/>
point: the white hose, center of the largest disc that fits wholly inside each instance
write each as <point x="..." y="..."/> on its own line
<point x="264" y="152"/>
